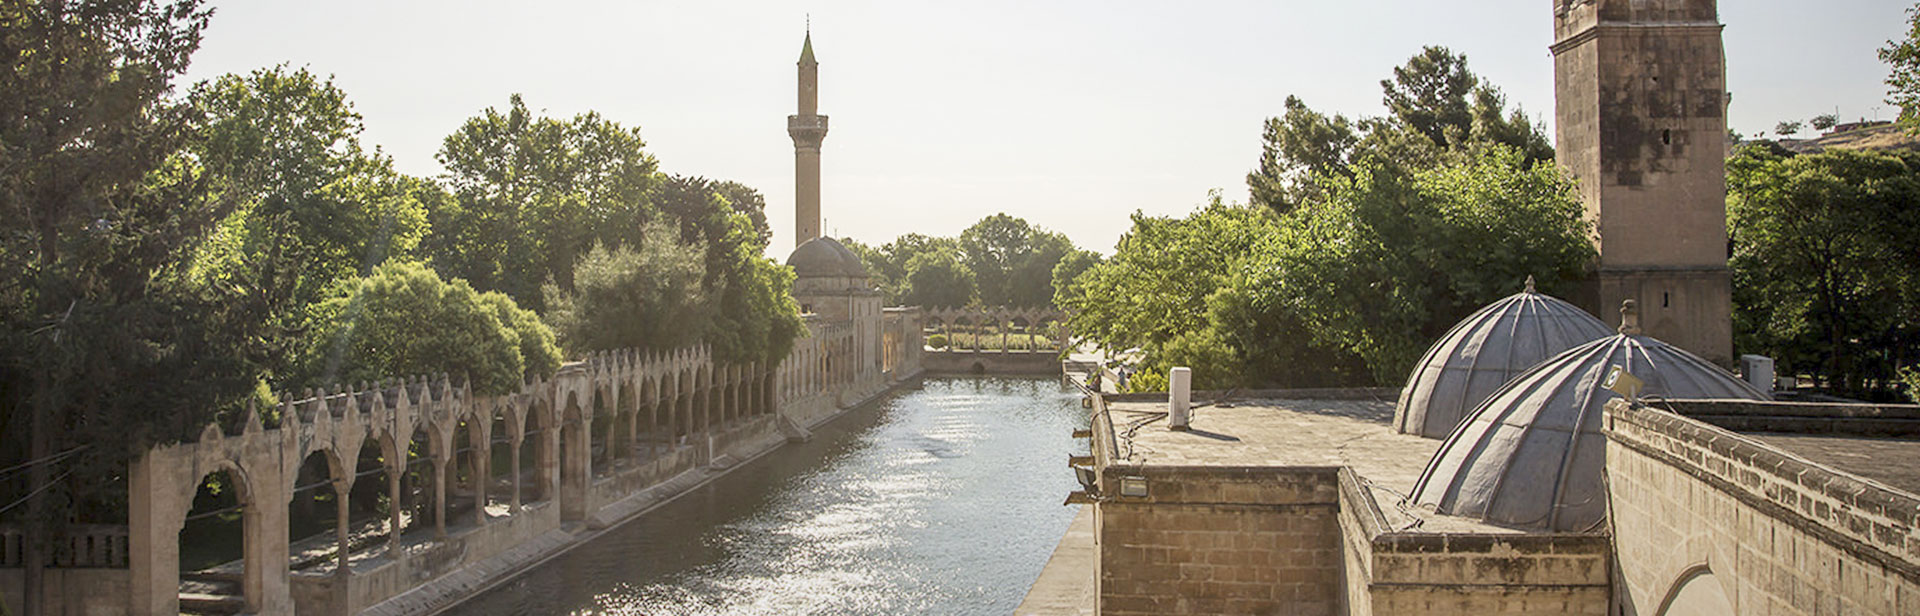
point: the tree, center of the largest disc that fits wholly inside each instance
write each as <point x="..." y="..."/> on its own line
<point x="1824" y="121"/>
<point x="647" y="297"/>
<point x="1067" y="272"/>
<point x="939" y="279"/>
<point x="1294" y="147"/>
<point x="403" y="320"/>
<point x="1155" y="286"/>
<point x="1429" y="94"/>
<point x="313" y="208"/>
<point x="1787" y="128"/>
<point x="1439" y="110"/>
<point x="534" y="194"/>
<point x="1823" y="263"/>
<point x="1903" y="79"/>
<point x="1012" y="260"/>
<point x="1387" y="262"/>
<point x="753" y="314"/>
<point x="98" y="339"/>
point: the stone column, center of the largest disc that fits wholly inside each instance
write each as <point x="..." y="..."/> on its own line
<point x="440" y="461"/>
<point x="481" y="469"/>
<point x="516" y="438"/>
<point x="396" y="466"/>
<point x="342" y="489"/>
<point x="155" y="514"/>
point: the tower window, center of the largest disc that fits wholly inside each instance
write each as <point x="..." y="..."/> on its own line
<point x="1666" y="299"/>
<point x="1666" y="137"/>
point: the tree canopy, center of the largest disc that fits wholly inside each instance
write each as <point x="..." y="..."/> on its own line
<point x="1008" y="262"/>
<point x="1903" y="79"/>
<point x="1436" y="106"/>
<point x="533" y="194"/>
<point x="1824" y="263"/>
<point x="403" y="320"/>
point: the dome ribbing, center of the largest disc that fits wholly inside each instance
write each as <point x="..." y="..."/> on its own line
<point x="1483" y="352"/>
<point x="1532" y="455"/>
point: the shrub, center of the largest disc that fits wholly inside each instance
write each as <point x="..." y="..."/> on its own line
<point x="626" y="298"/>
<point x="403" y="320"/>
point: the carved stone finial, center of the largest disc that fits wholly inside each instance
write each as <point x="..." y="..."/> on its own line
<point x="1530" y="283"/>
<point x="1629" y="318"/>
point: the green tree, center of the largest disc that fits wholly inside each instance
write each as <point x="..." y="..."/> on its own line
<point x="1429" y="94"/>
<point x="1903" y="79"/>
<point x="1824" y="121"/>
<point x="1440" y="112"/>
<point x="1012" y="260"/>
<point x="1823" y="262"/>
<point x="1067" y="272"/>
<point x="1787" y="128"/>
<point x="753" y="314"/>
<point x="403" y="320"/>
<point x="313" y="208"/>
<point x="1155" y="287"/>
<point x="1293" y="148"/>
<point x="648" y="296"/>
<point x="534" y="194"/>
<point x="939" y="279"/>
<point x="103" y="349"/>
<point x="1387" y="263"/>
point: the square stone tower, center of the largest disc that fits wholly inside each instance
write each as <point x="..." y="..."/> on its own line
<point x="1641" y="120"/>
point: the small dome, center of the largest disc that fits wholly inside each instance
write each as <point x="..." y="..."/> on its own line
<point x="822" y="257"/>
<point x="1483" y="352"/>
<point x="1532" y="455"/>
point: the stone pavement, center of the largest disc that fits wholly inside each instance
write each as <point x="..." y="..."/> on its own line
<point x="1066" y="586"/>
<point x="1889" y="461"/>
<point x="1295" y="432"/>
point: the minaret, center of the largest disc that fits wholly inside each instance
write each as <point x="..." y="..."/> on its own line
<point x="808" y="129"/>
<point x="1640" y="93"/>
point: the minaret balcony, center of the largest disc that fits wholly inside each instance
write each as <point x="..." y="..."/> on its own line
<point x="811" y="123"/>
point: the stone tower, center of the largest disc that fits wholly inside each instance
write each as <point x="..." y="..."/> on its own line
<point x="1640" y="89"/>
<point x="808" y="128"/>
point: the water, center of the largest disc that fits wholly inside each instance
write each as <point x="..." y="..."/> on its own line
<point x="939" y="500"/>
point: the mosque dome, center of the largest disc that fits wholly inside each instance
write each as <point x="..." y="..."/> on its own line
<point x="822" y="257"/>
<point x="1532" y="455"/>
<point x="1483" y="352"/>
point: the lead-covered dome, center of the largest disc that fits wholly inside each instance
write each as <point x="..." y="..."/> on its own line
<point x="1483" y="352"/>
<point x="1532" y="455"/>
<point x="822" y="257"/>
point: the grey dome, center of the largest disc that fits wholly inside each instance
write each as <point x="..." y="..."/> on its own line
<point x="822" y="257"/>
<point x="1483" y="352"/>
<point x="1532" y="455"/>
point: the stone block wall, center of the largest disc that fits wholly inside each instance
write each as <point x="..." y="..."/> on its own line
<point x="1414" y="572"/>
<point x="1768" y="532"/>
<point x="1211" y="540"/>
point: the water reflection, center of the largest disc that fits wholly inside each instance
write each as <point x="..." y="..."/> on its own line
<point x="939" y="500"/>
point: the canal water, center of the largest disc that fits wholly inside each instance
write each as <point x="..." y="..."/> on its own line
<point x="940" y="499"/>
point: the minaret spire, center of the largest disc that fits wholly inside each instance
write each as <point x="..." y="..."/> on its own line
<point x="808" y="129"/>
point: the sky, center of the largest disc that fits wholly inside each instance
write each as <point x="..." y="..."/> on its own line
<point x="1069" y="114"/>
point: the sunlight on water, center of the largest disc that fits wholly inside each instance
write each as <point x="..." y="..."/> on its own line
<point x="945" y="499"/>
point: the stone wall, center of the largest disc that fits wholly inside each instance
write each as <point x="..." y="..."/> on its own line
<point x="1706" y="517"/>
<point x="1395" y="572"/>
<point x="1311" y="540"/>
<point x="1212" y="540"/>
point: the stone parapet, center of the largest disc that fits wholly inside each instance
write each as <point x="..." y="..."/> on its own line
<point x="1774" y="531"/>
<point x="1410" y="571"/>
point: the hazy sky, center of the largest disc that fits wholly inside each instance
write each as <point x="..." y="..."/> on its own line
<point x="1069" y="114"/>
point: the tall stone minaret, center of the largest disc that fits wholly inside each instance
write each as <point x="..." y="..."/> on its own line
<point x="1640" y="93"/>
<point x="808" y="129"/>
